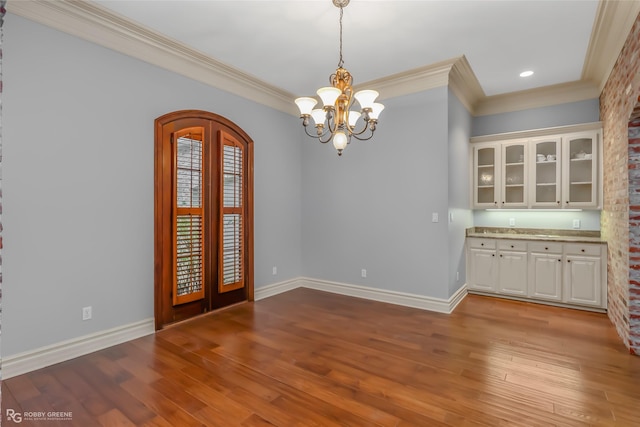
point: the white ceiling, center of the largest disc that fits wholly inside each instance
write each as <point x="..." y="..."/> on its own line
<point x="293" y="44"/>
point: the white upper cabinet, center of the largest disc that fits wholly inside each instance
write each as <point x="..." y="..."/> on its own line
<point x="561" y="171"/>
<point x="514" y="190"/>
<point x="581" y="159"/>
<point x="546" y="188"/>
<point x="485" y="180"/>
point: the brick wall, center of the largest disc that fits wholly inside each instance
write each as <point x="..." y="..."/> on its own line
<point x="621" y="213"/>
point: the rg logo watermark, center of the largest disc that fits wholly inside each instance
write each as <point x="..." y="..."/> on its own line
<point x="18" y="417"/>
<point x="14" y="416"/>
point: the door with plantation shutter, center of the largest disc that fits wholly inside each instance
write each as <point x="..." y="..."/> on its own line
<point x="203" y="215"/>
<point x="231" y="215"/>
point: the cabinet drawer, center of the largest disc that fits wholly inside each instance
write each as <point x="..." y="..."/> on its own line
<point x="545" y="247"/>
<point x="582" y="249"/>
<point x="481" y="243"/>
<point x="512" y="245"/>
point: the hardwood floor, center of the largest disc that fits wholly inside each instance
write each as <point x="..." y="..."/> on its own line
<point x="309" y="358"/>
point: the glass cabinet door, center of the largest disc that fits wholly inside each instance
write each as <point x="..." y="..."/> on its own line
<point x="514" y="175"/>
<point x="546" y="173"/>
<point x="485" y="181"/>
<point x="580" y="153"/>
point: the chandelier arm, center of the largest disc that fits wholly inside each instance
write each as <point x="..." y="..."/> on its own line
<point x="324" y="141"/>
<point x="306" y="130"/>
<point x="362" y="139"/>
<point x="332" y="127"/>
<point x="352" y="130"/>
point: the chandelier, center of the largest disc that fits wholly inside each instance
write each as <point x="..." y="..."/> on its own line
<point x="336" y="120"/>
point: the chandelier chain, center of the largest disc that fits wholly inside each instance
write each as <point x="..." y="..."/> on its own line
<point x="341" y="62"/>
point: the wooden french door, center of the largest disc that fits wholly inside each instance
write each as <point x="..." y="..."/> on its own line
<point x="203" y="215"/>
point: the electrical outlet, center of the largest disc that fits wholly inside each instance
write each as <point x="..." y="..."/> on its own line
<point x="275" y="270"/>
<point x="512" y="222"/>
<point x="434" y="217"/>
<point x="86" y="313"/>
<point x="576" y="223"/>
<point x="363" y="272"/>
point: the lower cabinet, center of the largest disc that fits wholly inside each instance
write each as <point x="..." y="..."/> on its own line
<point x="512" y="261"/>
<point x="582" y="272"/>
<point x="561" y="273"/>
<point x="481" y="259"/>
<point x="545" y="271"/>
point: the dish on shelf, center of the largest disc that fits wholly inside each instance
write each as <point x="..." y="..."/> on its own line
<point x="486" y="179"/>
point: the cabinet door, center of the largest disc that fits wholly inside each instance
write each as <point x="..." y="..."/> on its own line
<point x="580" y="182"/>
<point x="483" y="270"/>
<point x="545" y="276"/>
<point x="582" y="280"/>
<point x="546" y="184"/>
<point x="514" y="175"/>
<point x="512" y="267"/>
<point x="486" y="182"/>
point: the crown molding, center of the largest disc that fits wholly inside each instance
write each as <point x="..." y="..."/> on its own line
<point x="534" y="98"/>
<point x="613" y="22"/>
<point x="94" y="23"/>
<point x="527" y="134"/>
<point x="465" y="85"/>
<point x="411" y="81"/>
<point x="91" y="22"/>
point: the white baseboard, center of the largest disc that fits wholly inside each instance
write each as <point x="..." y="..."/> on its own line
<point x="382" y="295"/>
<point x="392" y="297"/>
<point x="22" y="363"/>
<point x="275" y="289"/>
<point x="46" y="356"/>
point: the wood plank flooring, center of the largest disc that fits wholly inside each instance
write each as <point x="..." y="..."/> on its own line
<point x="309" y="358"/>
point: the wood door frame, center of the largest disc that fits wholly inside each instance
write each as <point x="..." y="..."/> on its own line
<point x="163" y="241"/>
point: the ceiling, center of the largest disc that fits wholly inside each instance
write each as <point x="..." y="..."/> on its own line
<point x="273" y="51"/>
<point x="294" y="44"/>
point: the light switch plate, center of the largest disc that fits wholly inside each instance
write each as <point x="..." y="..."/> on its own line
<point x="434" y="217"/>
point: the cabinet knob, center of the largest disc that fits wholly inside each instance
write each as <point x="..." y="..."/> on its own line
<point x="500" y="255"/>
<point x="546" y="249"/>
<point x="568" y="260"/>
<point x="559" y="260"/>
<point x="481" y="244"/>
<point x="558" y="202"/>
<point x="495" y="203"/>
<point x="493" y="254"/>
<point x="503" y="202"/>
<point x="581" y="250"/>
<point x="512" y="247"/>
<point x="567" y="202"/>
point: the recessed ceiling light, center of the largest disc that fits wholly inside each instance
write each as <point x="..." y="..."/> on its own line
<point x="526" y="73"/>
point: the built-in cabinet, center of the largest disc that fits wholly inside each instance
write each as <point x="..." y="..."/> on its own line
<point x="557" y="172"/>
<point x="564" y="273"/>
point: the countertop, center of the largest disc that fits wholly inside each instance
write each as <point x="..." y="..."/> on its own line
<point x="536" y="234"/>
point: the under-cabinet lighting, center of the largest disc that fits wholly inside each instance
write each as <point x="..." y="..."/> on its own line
<point x="526" y="73"/>
<point x="534" y="210"/>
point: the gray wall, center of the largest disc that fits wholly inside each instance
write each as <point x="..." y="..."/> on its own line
<point x="461" y="215"/>
<point x="536" y="118"/>
<point x="78" y="183"/>
<point x="371" y="208"/>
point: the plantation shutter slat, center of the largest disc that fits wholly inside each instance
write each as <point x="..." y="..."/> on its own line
<point x="189" y="217"/>
<point x="232" y="216"/>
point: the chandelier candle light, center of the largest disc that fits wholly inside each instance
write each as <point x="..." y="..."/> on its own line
<point x="335" y="121"/>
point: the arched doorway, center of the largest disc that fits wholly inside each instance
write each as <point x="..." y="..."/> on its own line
<point x="203" y="215"/>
